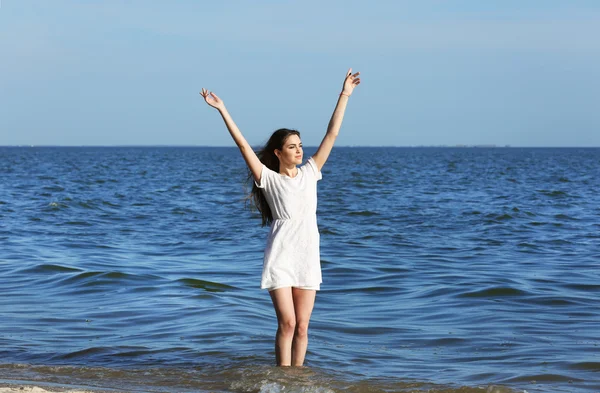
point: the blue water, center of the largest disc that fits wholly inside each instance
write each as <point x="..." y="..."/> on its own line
<point x="445" y="270"/>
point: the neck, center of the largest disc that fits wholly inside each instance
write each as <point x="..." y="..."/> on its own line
<point x="289" y="170"/>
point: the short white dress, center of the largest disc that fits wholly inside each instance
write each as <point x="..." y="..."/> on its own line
<point x="292" y="257"/>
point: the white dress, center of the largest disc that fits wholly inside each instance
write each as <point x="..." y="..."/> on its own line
<point x="292" y="257"/>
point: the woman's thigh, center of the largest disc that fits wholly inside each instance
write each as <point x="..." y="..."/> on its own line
<point x="304" y="301"/>
<point x="283" y="301"/>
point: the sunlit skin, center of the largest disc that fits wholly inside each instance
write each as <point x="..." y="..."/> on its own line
<point x="293" y="306"/>
<point x="290" y="155"/>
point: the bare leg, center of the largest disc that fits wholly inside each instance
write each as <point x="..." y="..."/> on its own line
<point x="286" y="324"/>
<point x="304" y="301"/>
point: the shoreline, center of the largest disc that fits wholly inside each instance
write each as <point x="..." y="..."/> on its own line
<point x="30" y="387"/>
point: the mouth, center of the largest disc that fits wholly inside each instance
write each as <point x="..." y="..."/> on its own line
<point x="298" y="156"/>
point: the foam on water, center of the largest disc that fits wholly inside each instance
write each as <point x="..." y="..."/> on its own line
<point x="254" y="379"/>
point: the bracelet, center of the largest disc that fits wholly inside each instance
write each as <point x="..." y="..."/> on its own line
<point x="347" y="95"/>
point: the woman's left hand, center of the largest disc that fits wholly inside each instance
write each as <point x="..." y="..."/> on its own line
<point x="212" y="99"/>
<point x="350" y="82"/>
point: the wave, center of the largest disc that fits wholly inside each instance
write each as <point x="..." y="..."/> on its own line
<point x="495" y="292"/>
<point x="365" y="213"/>
<point x="50" y="268"/>
<point x="554" y="193"/>
<point x="222" y="378"/>
<point x="208" y="286"/>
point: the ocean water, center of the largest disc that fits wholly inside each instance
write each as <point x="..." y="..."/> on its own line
<point x="445" y="270"/>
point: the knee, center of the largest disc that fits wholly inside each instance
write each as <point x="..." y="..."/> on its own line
<point x="287" y="327"/>
<point x="302" y="329"/>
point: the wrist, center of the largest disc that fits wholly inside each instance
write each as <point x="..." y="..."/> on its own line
<point x="345" y="94"/>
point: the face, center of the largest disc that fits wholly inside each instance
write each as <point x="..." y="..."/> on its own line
<point x="291" y="152"/>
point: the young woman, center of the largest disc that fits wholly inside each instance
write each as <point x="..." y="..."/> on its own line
<point x="286" y="196"/>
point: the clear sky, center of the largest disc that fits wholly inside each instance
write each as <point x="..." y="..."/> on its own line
<point x="91" y="72"/>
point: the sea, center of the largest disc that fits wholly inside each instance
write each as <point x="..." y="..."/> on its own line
<point x="445" y="270"/>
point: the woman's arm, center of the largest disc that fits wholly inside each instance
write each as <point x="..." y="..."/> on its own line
<point x="333" y="129"/>
<point x="247" y="152"/>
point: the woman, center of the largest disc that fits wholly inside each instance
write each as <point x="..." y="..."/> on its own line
<point x="286" y="196"/>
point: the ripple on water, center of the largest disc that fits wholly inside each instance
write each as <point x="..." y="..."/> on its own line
<point x="208" y="286"/>
<point x="50" y="268"/>
<point x="586" y="366"/>
<point x="364" y="213"/>
<point x="495" y="292"/>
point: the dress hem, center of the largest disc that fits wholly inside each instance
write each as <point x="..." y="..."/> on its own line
<point x="311" y="287"/>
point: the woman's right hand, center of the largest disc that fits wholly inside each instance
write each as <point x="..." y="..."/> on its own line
<point x="212" y="99"/>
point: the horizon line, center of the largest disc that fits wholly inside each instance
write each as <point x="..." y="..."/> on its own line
<point x="457" y="146"/>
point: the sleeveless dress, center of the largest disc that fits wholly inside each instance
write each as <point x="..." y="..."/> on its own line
<point x="292" y="257"/>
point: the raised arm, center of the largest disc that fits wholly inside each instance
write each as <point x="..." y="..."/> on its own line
<point x="333" y="129"/>
<point x="247" y="152"/>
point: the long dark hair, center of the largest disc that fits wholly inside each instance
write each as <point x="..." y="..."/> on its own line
<point x="267" y="156"/>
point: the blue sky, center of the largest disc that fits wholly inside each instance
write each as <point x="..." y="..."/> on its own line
<point x="524" y="73"/>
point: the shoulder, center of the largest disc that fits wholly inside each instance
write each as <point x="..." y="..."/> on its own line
<point x="267" y="177"/>
<point x="310" y="166"/>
